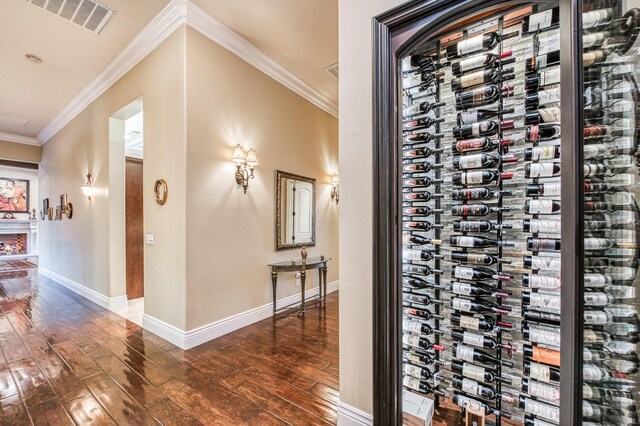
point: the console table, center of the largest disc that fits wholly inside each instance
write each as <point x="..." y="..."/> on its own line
<point x="312" y="263"/>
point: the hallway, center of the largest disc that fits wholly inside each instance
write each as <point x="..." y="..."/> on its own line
<point x="66" y="360"/>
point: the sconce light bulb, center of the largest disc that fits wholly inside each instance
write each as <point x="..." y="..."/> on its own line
<point x="238" y="155"/>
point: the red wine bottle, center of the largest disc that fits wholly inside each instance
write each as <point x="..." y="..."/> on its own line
<point x="478" y="273"/>
<point x="541" y="263"/>
<point x="479" y="323"/>
<point x="419" y="108"/>
<point x="478" y="78"/>
<point x="541" y="170"/>
<point x="546" y="282"/>
<point x="546" y="335"/>
<point x="544" y="115"/>
<point x="481" y="193"/>
<point x="542" y="98"/>
<point x="543" y="189"/>
<point x="483" y="60"/>
<point x="420" y="269"/>
<point x="542" y="132"/>
<point x="477" y="372"/>
<point x="420" y="386"/>
<point x="479" y="144"/>
<point x="545" y="301"/>
<point x="420" y="166"/>
<point x="478" y="226"/>
<point x="421" y="182"/>
<point x="476" y="242"/>
<point x="474" y="388"/>
<point x="421" y="137"/>
<point x="421" y="211"/>
<point x="543" y="244"/>
<point x="417" y="282"/>
<point x="413" y="255"/>
<point x="417" y="372"/>
<point x="541" y="317"/>
<point x="479" y="177"/>
<point x="425" y="314"/>
<point x="540" y="390"/>
<point x="475" y="290"/>
<point x="473" y="307"/>
<point x="470" y="354"/>
<point x="537" y="153"/>
<point x="481" y="161"/>
<point x="421" y="79"/>
<point x="541" y="207"/>
<point x="420" y="123"/>
<point x="421" y="358"/>
<point x="536" y="63"/>
<point x="420" y="299"/>
<point x="539" y="409"/>
<point x="482" y="128"/>
<point x="546" y="77"/>
<point x="540" y="21"/>
<point x="421" y="63"/>
<point x="541" y="372"/>
<point x="476" y="258"/>
<point x="477" y="339"/>
<point x="417" y="326"/>
<point x="475" y="209"/>
<point x="420" y="196"/>
<point x="474" y="116"/>
<point x="541" y="225"/>
<point x="477" y="43"/>
<point x="481" y="96"/>
<point x="416" y="341"/>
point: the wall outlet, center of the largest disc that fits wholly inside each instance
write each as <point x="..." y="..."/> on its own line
<point x="150" y="239"/>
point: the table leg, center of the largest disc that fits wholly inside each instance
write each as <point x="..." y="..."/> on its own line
<point x="324" y="283"/>
<point x="274" y="284"/>
<point x="303" y="277"/>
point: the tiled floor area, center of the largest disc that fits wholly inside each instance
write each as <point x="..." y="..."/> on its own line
<point x="133" y="311"/>
<point x="66" y="360"/>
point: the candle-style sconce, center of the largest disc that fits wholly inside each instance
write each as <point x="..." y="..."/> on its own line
<point x="44" y="212"/>
<point x="66" y="206"/>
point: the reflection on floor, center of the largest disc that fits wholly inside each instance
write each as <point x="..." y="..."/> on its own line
<point x="133" y="311"/>
<point x="65" y="360"/>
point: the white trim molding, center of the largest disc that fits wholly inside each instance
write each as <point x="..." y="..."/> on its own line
<point x="197" y="336"/>
<point x="26" y="140"/>
<point x="110" y="303"/>
<point x="351" y="416"/>
<point x="175" y="14"/>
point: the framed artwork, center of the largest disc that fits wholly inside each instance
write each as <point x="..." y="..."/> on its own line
<point x="14" y="195"/>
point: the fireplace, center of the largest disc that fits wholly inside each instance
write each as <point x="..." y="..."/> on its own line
<point x="18" y="239"/>
<point x="13" y="244"/>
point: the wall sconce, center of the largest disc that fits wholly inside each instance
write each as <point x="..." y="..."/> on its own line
<point x="335" y="183"/>
<point x="87" y="189"/>
<point x="246" y="162"/>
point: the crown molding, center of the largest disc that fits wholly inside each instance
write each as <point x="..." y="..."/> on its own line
<point x="176" y="13"/>
<point x="10" y="137"/>
<point x="220" y="34"/>
<point x="162" y="26"/>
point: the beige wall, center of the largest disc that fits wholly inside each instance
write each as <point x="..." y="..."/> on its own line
<point x="20" y="152"/>
<point x="356" y="157"/>
<point x="230" y="235"/>
<point x="78" y="249"/>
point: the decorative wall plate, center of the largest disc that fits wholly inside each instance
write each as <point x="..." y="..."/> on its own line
<point x="161" y="191"/>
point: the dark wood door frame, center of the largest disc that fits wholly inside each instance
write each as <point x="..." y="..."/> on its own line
<point x="134" y="228"/>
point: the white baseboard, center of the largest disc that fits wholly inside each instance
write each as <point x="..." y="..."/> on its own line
<point x="200" y="335"/>
<point x="110" y="303"/>
<point x="351" y="416"/>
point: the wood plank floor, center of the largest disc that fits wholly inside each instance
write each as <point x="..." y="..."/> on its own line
<point x="65" y="360"/>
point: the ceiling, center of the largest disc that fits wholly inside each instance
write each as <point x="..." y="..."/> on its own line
<point x="302" y="36"/>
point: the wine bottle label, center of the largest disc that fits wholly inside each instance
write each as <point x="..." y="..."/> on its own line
<point x="473" y="79"/>
<point x="412" y="254"/>
<point x="596" y="317"/>
<point x="476" y="258"/>
<point x="414" y="80"/>
<point x="590" y="40"/>
<point x="537" y="170"/>
<point x="596" y="243"/>
<point x="548" y="356"/>
<point x="546" y="282"/>
<point x="470" y="45"/>
<point x="461" y="305"/>
<point x="540" y="206"/>
<point x="473" y="177"/>
<point x="545" y="411"/>
<point x="552" y="189"/>
<point x="594" y="18"/>
<point x="411" y="383"/>
<point x="549" y="44"/>
<point x="471" y="405"/>
<point x="544" y="391"/>
<point x="465" y="353"/>
<point x="545" y="263"/>
<point x="594" y="169"/>
<point x="478" y="95"/>
<point x="545" y="226"/>
<point x="473" y="62"/>
<point x="412" y="370"/>
<point x="470" y="161"/>
<point x="473" y="372"/>
<point x="411" y="340"/>
<point x="473" y="339"/>
<point x="543" y="300"/>
<point x="540" y="21"/>
<point x="412" y="110"/>
<point x="543" y="244"/>
<point x="461" y="288"/>
<point x="469" y="322"/>
<point x="540" y="372"/>
<point x="469" y="144"/>
<point x="548" y="96"/>
<point x="463" y="272"/>
<point x="550" y="76"/>
<point x="547" y="152"/>
<point x="591" y="373"/>
<point x="548" y="336"/>
<point x="595" y="299"/>
<point x="465" y="241"/>
<point x="541" y="61"/>
<point x="413" y="326"/>
<point x="470" y="387"/>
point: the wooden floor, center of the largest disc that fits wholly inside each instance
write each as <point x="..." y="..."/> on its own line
<point x="66" y="360"/>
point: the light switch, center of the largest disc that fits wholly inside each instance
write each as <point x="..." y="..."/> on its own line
<point x="149" y="239"/>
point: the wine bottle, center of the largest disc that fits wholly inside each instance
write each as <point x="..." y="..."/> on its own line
<point x="544" y="226"/>
<point x="474" y="388"/>
<point x="544" y="301"/>
<point x="481" y="96"/>
<point x="546" y="77"/>
<point x="539" y="409"/>
<point x="476" y="406"/>
<point x="541" y="207"/>
<point x="541" y="170"/>
<point x="416" y="326"/>
<point x="596" y="298"/>
<point x="421" y="211"/>
<point x="544" y="115"/>
<point x="481" y="128"/>
<point x="595" y="18"/>
<point x="594" y="169"/>
<point x="422" y="313"/>
<point x="483" y="60"/>
<point x="479" y="144"/>
<point x="477" y="372"/>
<point x="478" y="226"/>
<point x="546" y="335"/>
<point x="541" y="372"/>
<point x="425" y="78"/>
<point x="420" y="196"/>
<point x="476" y="290"/>
<point x="541" y="263"/>
<point x="542" y="132"/>
<point x="594" y="39"/>
<point x="593" y="373"/>
<point x="476" y="258"/>
<point x="481" y="193"/>
<point x="420" y="226"/>
<point x="479" y="177"/>
<point x="417" y="372"/>
<point x="417" y="282"/>
<point x="476" y="339"/>
<point x="548" y="189"/>
<point x="478" y="78"/>
<point x="416" y="341"/>
<point x="420" y="269"/>
<point x="542" y="98"/>
<point x="421" y="123"/>
<point x="421" y="358"/>
<point x="475" y="209"/>
<point x="469" y="354"/>
<point x="477" y="161"/>
<point x="478" y="323"/>
<point x="599" y="131"/>
<point x="475" y="116"/>
<point x="422" y="62"/>
<point x="545" y="282"/>
<point x="420" y="386"/>
<point x="476" y="242"/>
<point x="478" y="273"/>
<point x="421" y="182"/>
<point x="477" y="43"/>
<point x="540" y="21"/>
<point x="530" y="420"/>
<point x="415" y="153"/>
<point x="537" y="153"/>
<point x="413" y="255"/>
<point x="419" y="108"/>
<point x="420" y="137"/>
<point x="540" y="354"/>
<point x="543" y="244"/>
<point x="470" y="306"/>
<point x="536" y="63"/>
<point x="541" y="317"/>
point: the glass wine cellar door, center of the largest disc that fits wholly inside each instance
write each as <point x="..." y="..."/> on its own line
<point x="506" y="219"/>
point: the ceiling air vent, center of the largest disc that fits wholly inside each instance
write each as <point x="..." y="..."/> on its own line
<point x="89" y="14"/>
<point x="333" y="70"/>
<point x="13" y="121"/>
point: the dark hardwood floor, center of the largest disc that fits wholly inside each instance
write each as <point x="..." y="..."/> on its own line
<point x="66" y="360"/>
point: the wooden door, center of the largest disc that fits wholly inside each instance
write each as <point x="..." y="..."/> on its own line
<point x="134" y="223"/>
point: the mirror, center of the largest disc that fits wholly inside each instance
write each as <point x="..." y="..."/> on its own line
<point x="295" y="211"/>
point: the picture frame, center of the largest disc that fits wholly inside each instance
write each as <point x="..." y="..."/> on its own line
<point x="14" y="195"/>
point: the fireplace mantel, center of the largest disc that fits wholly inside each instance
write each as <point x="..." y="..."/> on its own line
<point x="20" y="226"/>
